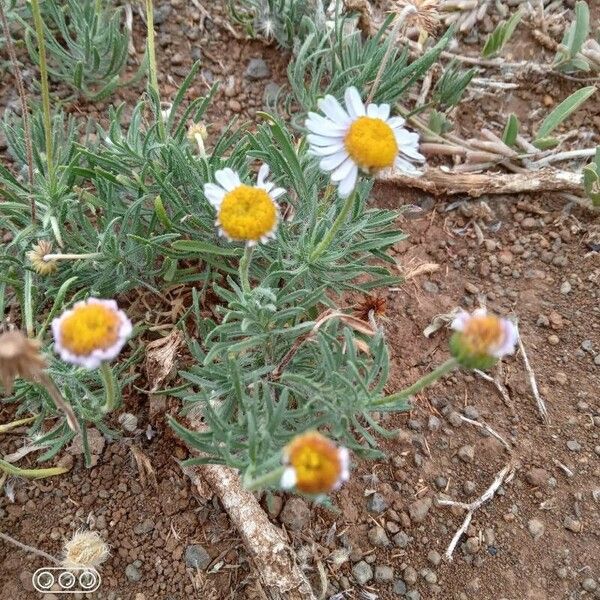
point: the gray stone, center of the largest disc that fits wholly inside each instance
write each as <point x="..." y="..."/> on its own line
<point x="431" y="287"/>
<point x="454" y="419"/>
<point x="402" y="539"/>
<point x="378" y="537"/>
<point x="536" y="528"/>
<point x="410" y="576"/>
<point x="362" y="572"/>
<point x="399" y="587"/>
<point x="565" y="288"/>
<point x="434" y="558"/>
<point x="196" y="557"/>
<point x="597" y="360"/>
<point x="161" y="13"/>
<point x="574" y="446"/>
<point x="572" y="524"/>
<point x="433" y="423"/>
<point x="270" y="94"/>
<point x="441" y="482"/>
<point x="383" y="573"/>
<point x="466" y="453"/>
<point x="413" y="595"/>
<point x="133" y="573"/>
<point x="471" y="413"/>
<point x="419" y="508"/>
<point x="376" y="503"/>
<point x="537" y="477"/>
<point x="589" y="584"/>
<point x="257" y="69"/>
<point x="145" y="526"/>
<point x="295" y="514"/>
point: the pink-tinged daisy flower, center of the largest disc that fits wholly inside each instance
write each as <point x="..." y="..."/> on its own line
<point x="481" y="339"/>
<point x="314" y="464"/>
<point x="90" y="333"/>
<point x="245" y="213"/>
<point x="360" y="137"/>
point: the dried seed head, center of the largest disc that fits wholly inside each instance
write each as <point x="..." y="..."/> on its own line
<point x="425" y="18"/>
<point x="19" y="357"/>
<point x="197" y="129"/>
<point x="368" y="304"/>
<point x="36" y="258"/>
<point x="86" y="549"/>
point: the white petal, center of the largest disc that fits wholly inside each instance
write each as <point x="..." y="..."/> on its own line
<point x="406" y="138"/>
<point x="319" y="140"/>
<point x="333" y="109"/>
<point x="332" y="162"/>
<point x="354" y="104"/>
<point x="228" y="179"/>
<point x="325" y="127"/>
<point x="327" y="150"/>
<point x="480" y="312"/>
<point x="343" y="170"/>
<point x="373" y="111"/>
<point x="214" y="194"/>
<point x="384" y="112"/>
<point x="412" y="152"/>
<point x="288" y="479"/>
<point x="347" y="185"/>
<point x="460" y="321"/>
<point x="396" y="122"/>
<point x="263" y="173"/>
<point x="404" y="165"/>
<point x="276" y="193"/>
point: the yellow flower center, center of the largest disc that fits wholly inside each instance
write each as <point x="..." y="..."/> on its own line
<point x="90" y="327"/>
<point x="316" y="461"/>
<point x="247" y="213"/>
<point x="482" y="334"/>
<point x="371" y="143"/>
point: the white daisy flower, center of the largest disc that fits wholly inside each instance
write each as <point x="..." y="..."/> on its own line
<point x="360" y="137"/>
<point x="245" y="213"/>
<point x="90" y="333"/>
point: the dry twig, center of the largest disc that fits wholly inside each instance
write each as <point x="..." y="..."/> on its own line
<point x="505" y="475"/>
<point x="487" y="428"/>
<point x="534" y="387"/>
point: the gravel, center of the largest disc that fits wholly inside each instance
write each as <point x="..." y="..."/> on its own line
<point x="572" y="524"/>
<point x="537" y="477"/>
<point x="466" y="453"/>
<point x="376" y="503"/>
<point x="145" y="526"/>
<point x="410" y="576"/>
<point x="536" y="528"/>
<point x="378" y="537"/>
<point x="574" y="446"/>
<point x="402" y="539"/>
<point x="589" y="585"/>
<point x="362" y="572"/>
<point x="384" y="573"/>
<point x="196" y="557"/>
<point x="419" y="508"/>
<point x="257" y="69"/>
<point x="434" y="558"/>
<point x="434" y="424"/>
<point x="399" y="587"/>
<point x="133" y="573"/>
<point x="295" y="514"/>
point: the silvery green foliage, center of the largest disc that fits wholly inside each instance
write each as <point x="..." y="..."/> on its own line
<point x="86" y="45"/>
<point x="285" y="21"/>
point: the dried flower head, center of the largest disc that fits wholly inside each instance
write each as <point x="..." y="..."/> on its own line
<point x="374" y="304"/>
<point x="92" y="332"/>
<point x="315" y="465"/>
<point x="245" y="213"/>
<point x="425" y="17"/>
<point x="36" y="258"/>
<point x="359" y="137"/>
<point x="19" y="357"/>
<point x="197" y="129"/>
<point x="85" y="550"/>
<point x="481" y="339"/>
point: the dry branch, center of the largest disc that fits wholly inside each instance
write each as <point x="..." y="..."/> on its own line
<point x="436" y="182"/>
<point x="273" y="559"/>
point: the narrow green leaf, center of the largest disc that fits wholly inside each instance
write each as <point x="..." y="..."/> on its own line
<point x="197" y="247"/>
<point x="503" y="32"/>
<point x="563" y="111"/>
<point x="509" y="137"/>
<point x="581" y="27"/>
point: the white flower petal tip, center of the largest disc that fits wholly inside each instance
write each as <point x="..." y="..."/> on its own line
<point x="92" y="332"/>
<point x="245" y="213"/>
<point x="365" y="135"/>
<point x="288" y="479"/>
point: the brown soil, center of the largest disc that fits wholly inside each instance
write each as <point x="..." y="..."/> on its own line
<point x="535" y="257"/>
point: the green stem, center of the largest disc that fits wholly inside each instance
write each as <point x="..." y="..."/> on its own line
<point x="30" y="473"/>
<point x="108" y="380"/>
<point x="91" y="255"/>
<point x="245" y="268"/>
<point x="152" y="70"/>
<point x="39" y="33"/>
<point x="272" y="478"/>
<point x="339" y="221"/>
<point x="420" y="384"/>
<point x="8" y="426"/>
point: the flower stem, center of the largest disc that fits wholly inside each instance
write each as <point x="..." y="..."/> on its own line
<point x="30" y="473"/>
<point x="59" y="256"/>
<point x="60" y="402"/>
<point x="268" y="479"/>
<point x="339" y="221"/>
<point x="244" y="269"/>
<point x="8" y="426"/>
<point x="37" y="551"/>
<point x="39" y="33"/>
<point x="110" y="388"/>
<point x="398" y="21"/>
<point x="420" y="384"/>
<point x="152" y="70"/>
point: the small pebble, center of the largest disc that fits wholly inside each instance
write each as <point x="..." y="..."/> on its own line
<point x="572" y="524"/>
<point x="466" y="453"/>
<point x="589" y="585"/>
<point x="536" y="528"/>
<point x="574" y="446"/>
<point x="362" y="572"/>
<point x="410" y="576"/>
